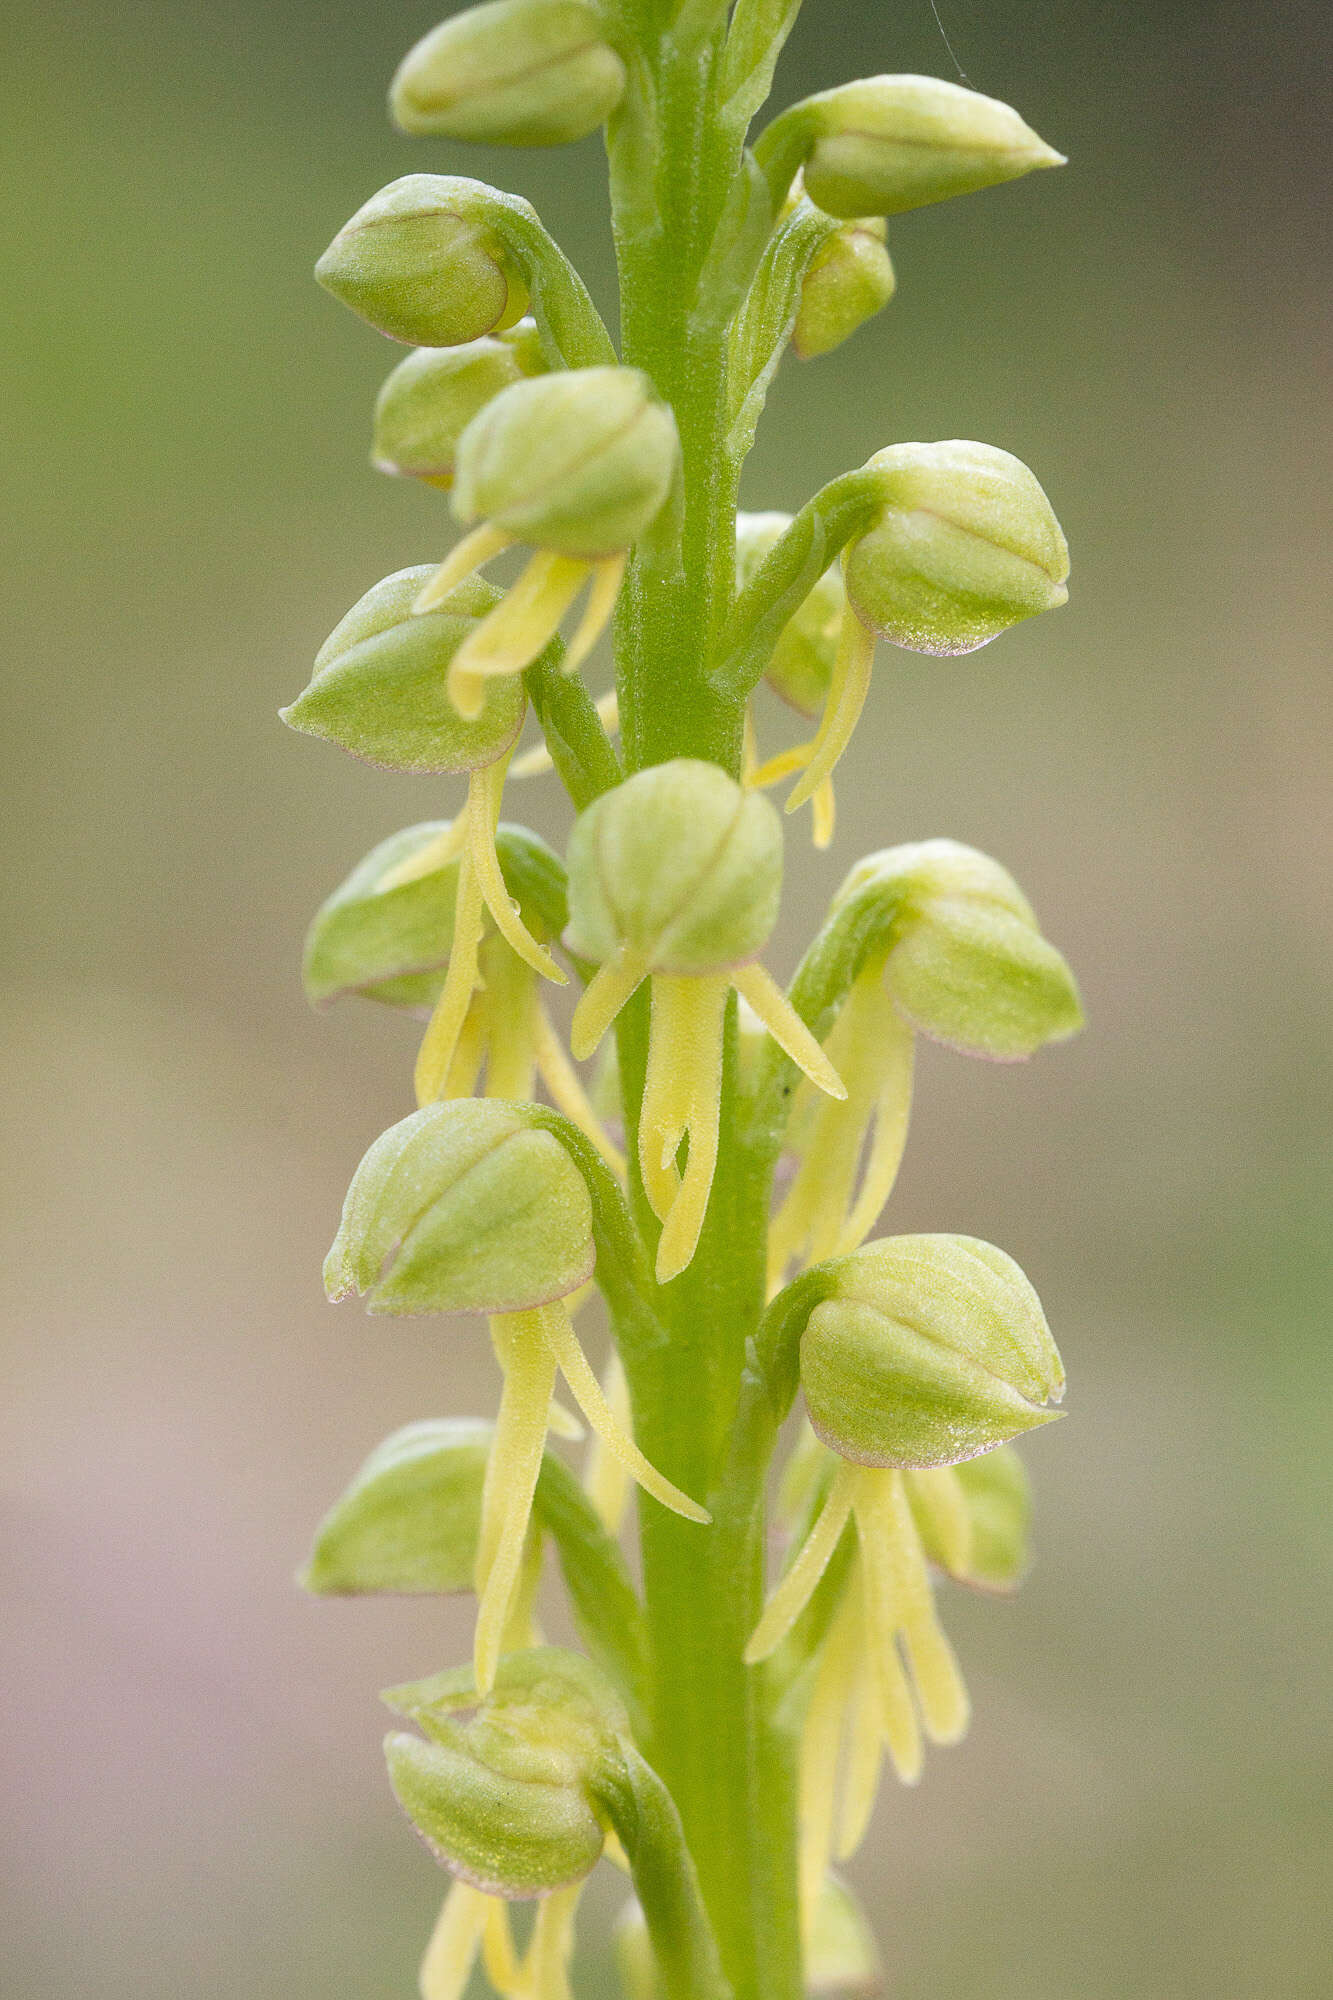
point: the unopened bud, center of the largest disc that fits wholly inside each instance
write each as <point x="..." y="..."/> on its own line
<point x="409" y="1521"/>
<point x="379" y="682"/>
<point x="965" y="546"/>
<point x="679" y="867"/>
<point x="429" y="401"/>
<point x="968" y="964"/>
<point x="801" y="668"/>
<point x="503" y="1799"/>
<point x="579" y="462"/>
<point x="464" y="1206"/>
<point x="418" y="266"/>
<point x="848" y="282"/>
<point x="511" y="73"/>
<point x="889" y="143"/>
<point x="929" y="1350"/>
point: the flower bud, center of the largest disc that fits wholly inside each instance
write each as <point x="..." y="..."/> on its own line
<point x="579" y="462"/>
<point x="504" y="1799"/>
<point x="429" y="401"/>
<point x="511" y="73"/>
<point x="418" y="267"/>
<point x="967" y="963"/>
<point x="848" y="282"/>
<point x="409" y="1521"/>
<point x="929" y="1350"/>
<point x="679" y="867"/>
<point x="889" y="143"/>
<point x="379" y="682"/>
<point x="802" y="664"/>
<point x="965" y="546"/>
<point x="463" y="1206"/>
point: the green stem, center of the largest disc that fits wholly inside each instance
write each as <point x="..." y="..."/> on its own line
<point x="714" y="1738"/>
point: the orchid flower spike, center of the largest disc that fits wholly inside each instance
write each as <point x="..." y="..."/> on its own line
<point x="473" y="1206"/>
<point x="960" y="957"/>
<point x="579" y="465"/>
<point x="675" y="876"/>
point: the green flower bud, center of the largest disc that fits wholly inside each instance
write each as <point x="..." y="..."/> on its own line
<point x="802" y="664"/>
<point x="387" y="931"/>
<point x="928" y="1350"/>
<point x="967" y="963"/>
<point x="511" y="73"/>
<point x="966" y="546"/>
<point x="504" y="1799"/>
<point x="998" y="1503"/>
<point x="848" y="282"/>
<point x="580" y="462"/>
<point x="889" y="143"/>
<point x="419" y="267"/>
<point x="409" y="1521"/>
<point x="679" y="867"/>
<point x="379" y="682"/>
<point x="463" y="1206"/>
<point x="429" y="401"/>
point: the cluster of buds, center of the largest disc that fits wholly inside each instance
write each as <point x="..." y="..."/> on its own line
<point x="920" y="1358"/>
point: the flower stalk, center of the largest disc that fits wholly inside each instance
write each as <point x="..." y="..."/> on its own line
<point x="724" y="1735"/>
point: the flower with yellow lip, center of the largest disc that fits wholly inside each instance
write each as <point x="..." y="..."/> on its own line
<point x="959" y="956"/>
<point x="473" y="1207"/>
<point x="923" y="1352"/>
<point x="579" y="464"/>
<point x="967" y="1520"/>
<point x="380" y="691"/>
<point x="675" y="876"/>
<point x="964" y="544"/>
<point x="388" y="934"/>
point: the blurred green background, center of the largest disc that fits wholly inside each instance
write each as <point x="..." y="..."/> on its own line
<point x="198" y="1805"/>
